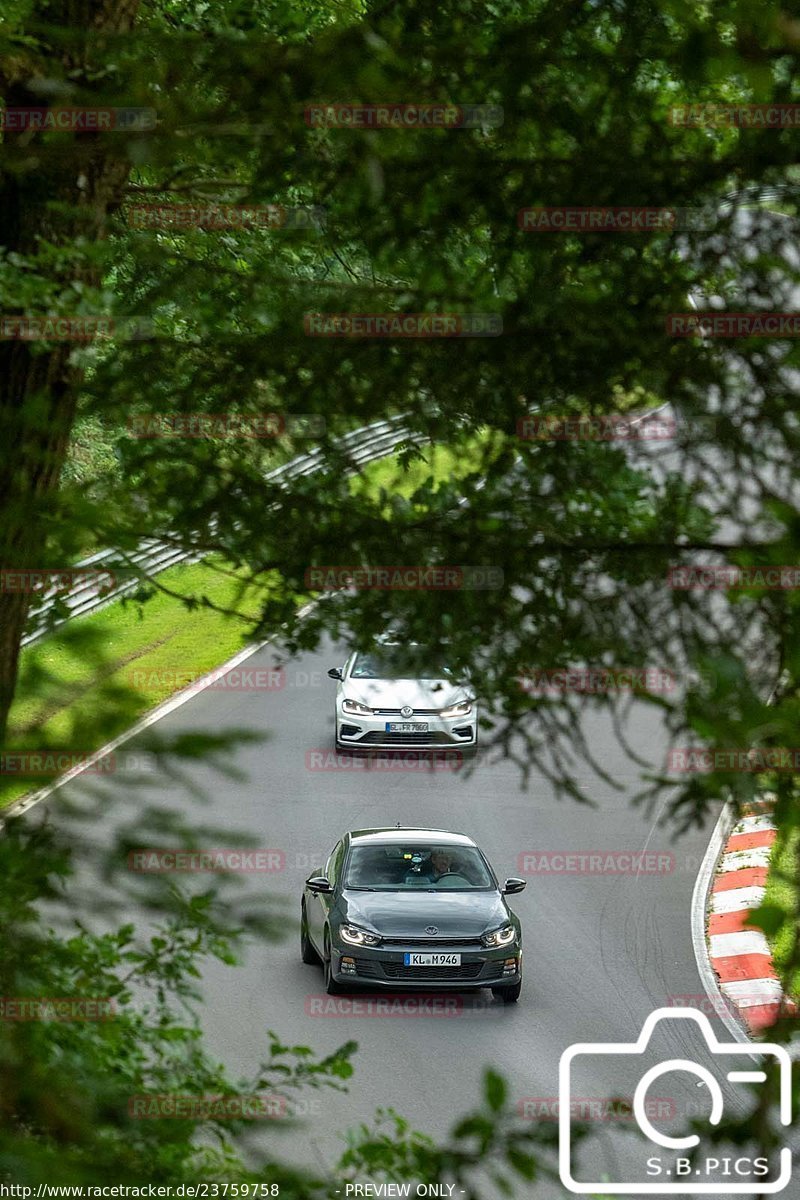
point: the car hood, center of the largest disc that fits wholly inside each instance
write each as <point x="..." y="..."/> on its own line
<point x="416" y="693"/>
<point x="406" y="913"/>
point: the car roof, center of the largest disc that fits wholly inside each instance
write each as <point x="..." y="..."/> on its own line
<point x="409" y="835"/>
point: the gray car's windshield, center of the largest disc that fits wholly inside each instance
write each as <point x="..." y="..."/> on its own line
<point x="400" y="868"/>
<point x="388" y="665"/>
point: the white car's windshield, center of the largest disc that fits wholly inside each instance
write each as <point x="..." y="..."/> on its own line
<point x="387" y="665"/>
<point x="397" y="868"/>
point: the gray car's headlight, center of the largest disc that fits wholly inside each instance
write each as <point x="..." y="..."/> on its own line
<point x="353" y="706"/>
<point x="457" y="710"/>
<point x="499" y="937"/>
<point x="358" y="937"/>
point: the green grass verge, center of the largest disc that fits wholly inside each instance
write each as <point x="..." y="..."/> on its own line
<point x="437" y="463"/>
<point x="87" y="683"/>
<point x="83" y="686"/>
<point x="90" y="681"/>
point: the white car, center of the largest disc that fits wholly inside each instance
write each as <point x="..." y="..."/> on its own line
<point x="381" y="705"/>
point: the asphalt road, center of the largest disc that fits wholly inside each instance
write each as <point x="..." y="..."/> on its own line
<point x="602" y="950"/>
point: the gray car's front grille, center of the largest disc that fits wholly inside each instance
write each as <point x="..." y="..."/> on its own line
<point x="441" y="942"/>
<point x="465" y="971"/>
<point x="375" y="969"/>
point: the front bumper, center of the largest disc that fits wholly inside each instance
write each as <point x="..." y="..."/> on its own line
<point x="383" y="967"/>
<point x="370" y="733"/>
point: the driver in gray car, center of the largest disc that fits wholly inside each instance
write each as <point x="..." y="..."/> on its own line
<point x="439" y="865"/>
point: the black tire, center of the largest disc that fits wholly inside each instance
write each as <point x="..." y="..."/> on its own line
<point x="307" y="951"/>
<point x="332" y="987"/>
<point x="509" y="995"/>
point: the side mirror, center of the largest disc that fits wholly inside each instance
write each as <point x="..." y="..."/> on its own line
<point x="335" y="673"/>
<point x="319" y="884"/>
<point x="514" y="885"/>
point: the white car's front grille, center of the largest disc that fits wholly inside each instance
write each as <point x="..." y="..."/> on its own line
<point x="395" y="712"/>
<point x="378" y="738"/>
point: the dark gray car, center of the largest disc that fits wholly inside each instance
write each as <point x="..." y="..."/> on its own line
<point x="411" y="908"/>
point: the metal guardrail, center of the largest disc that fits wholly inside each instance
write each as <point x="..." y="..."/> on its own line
<point x="757" y="193"/>
<point x="152" y="556"/>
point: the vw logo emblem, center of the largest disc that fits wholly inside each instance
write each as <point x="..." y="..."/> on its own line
<point x="431" y="929"/>
<point x="406" y="711"/>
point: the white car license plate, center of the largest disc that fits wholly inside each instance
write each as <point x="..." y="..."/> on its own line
<point x="406" y="726"/>
<point x="432" y="960"/>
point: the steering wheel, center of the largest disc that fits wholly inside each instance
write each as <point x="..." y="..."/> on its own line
<point x="444" y="874"/>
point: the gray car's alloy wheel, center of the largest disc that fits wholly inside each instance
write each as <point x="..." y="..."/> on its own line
<point x="331" y="986"/>
<point x="307" y="951"/>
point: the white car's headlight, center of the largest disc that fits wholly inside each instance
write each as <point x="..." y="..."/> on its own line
<point x="353" y="706"/>
<point x="500" y="937"/>
<point x="358" y="937"/>
<point x="457" y="710"/>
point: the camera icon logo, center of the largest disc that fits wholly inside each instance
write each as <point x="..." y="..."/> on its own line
<point x="672" y="1172"/>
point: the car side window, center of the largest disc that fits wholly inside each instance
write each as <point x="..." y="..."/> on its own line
<point x="334" y="864"/>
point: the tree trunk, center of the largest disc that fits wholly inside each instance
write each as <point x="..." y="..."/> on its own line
<point x="50" y="192"/>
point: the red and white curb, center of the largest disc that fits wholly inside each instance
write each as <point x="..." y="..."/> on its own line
<point x="739" y="953"/>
